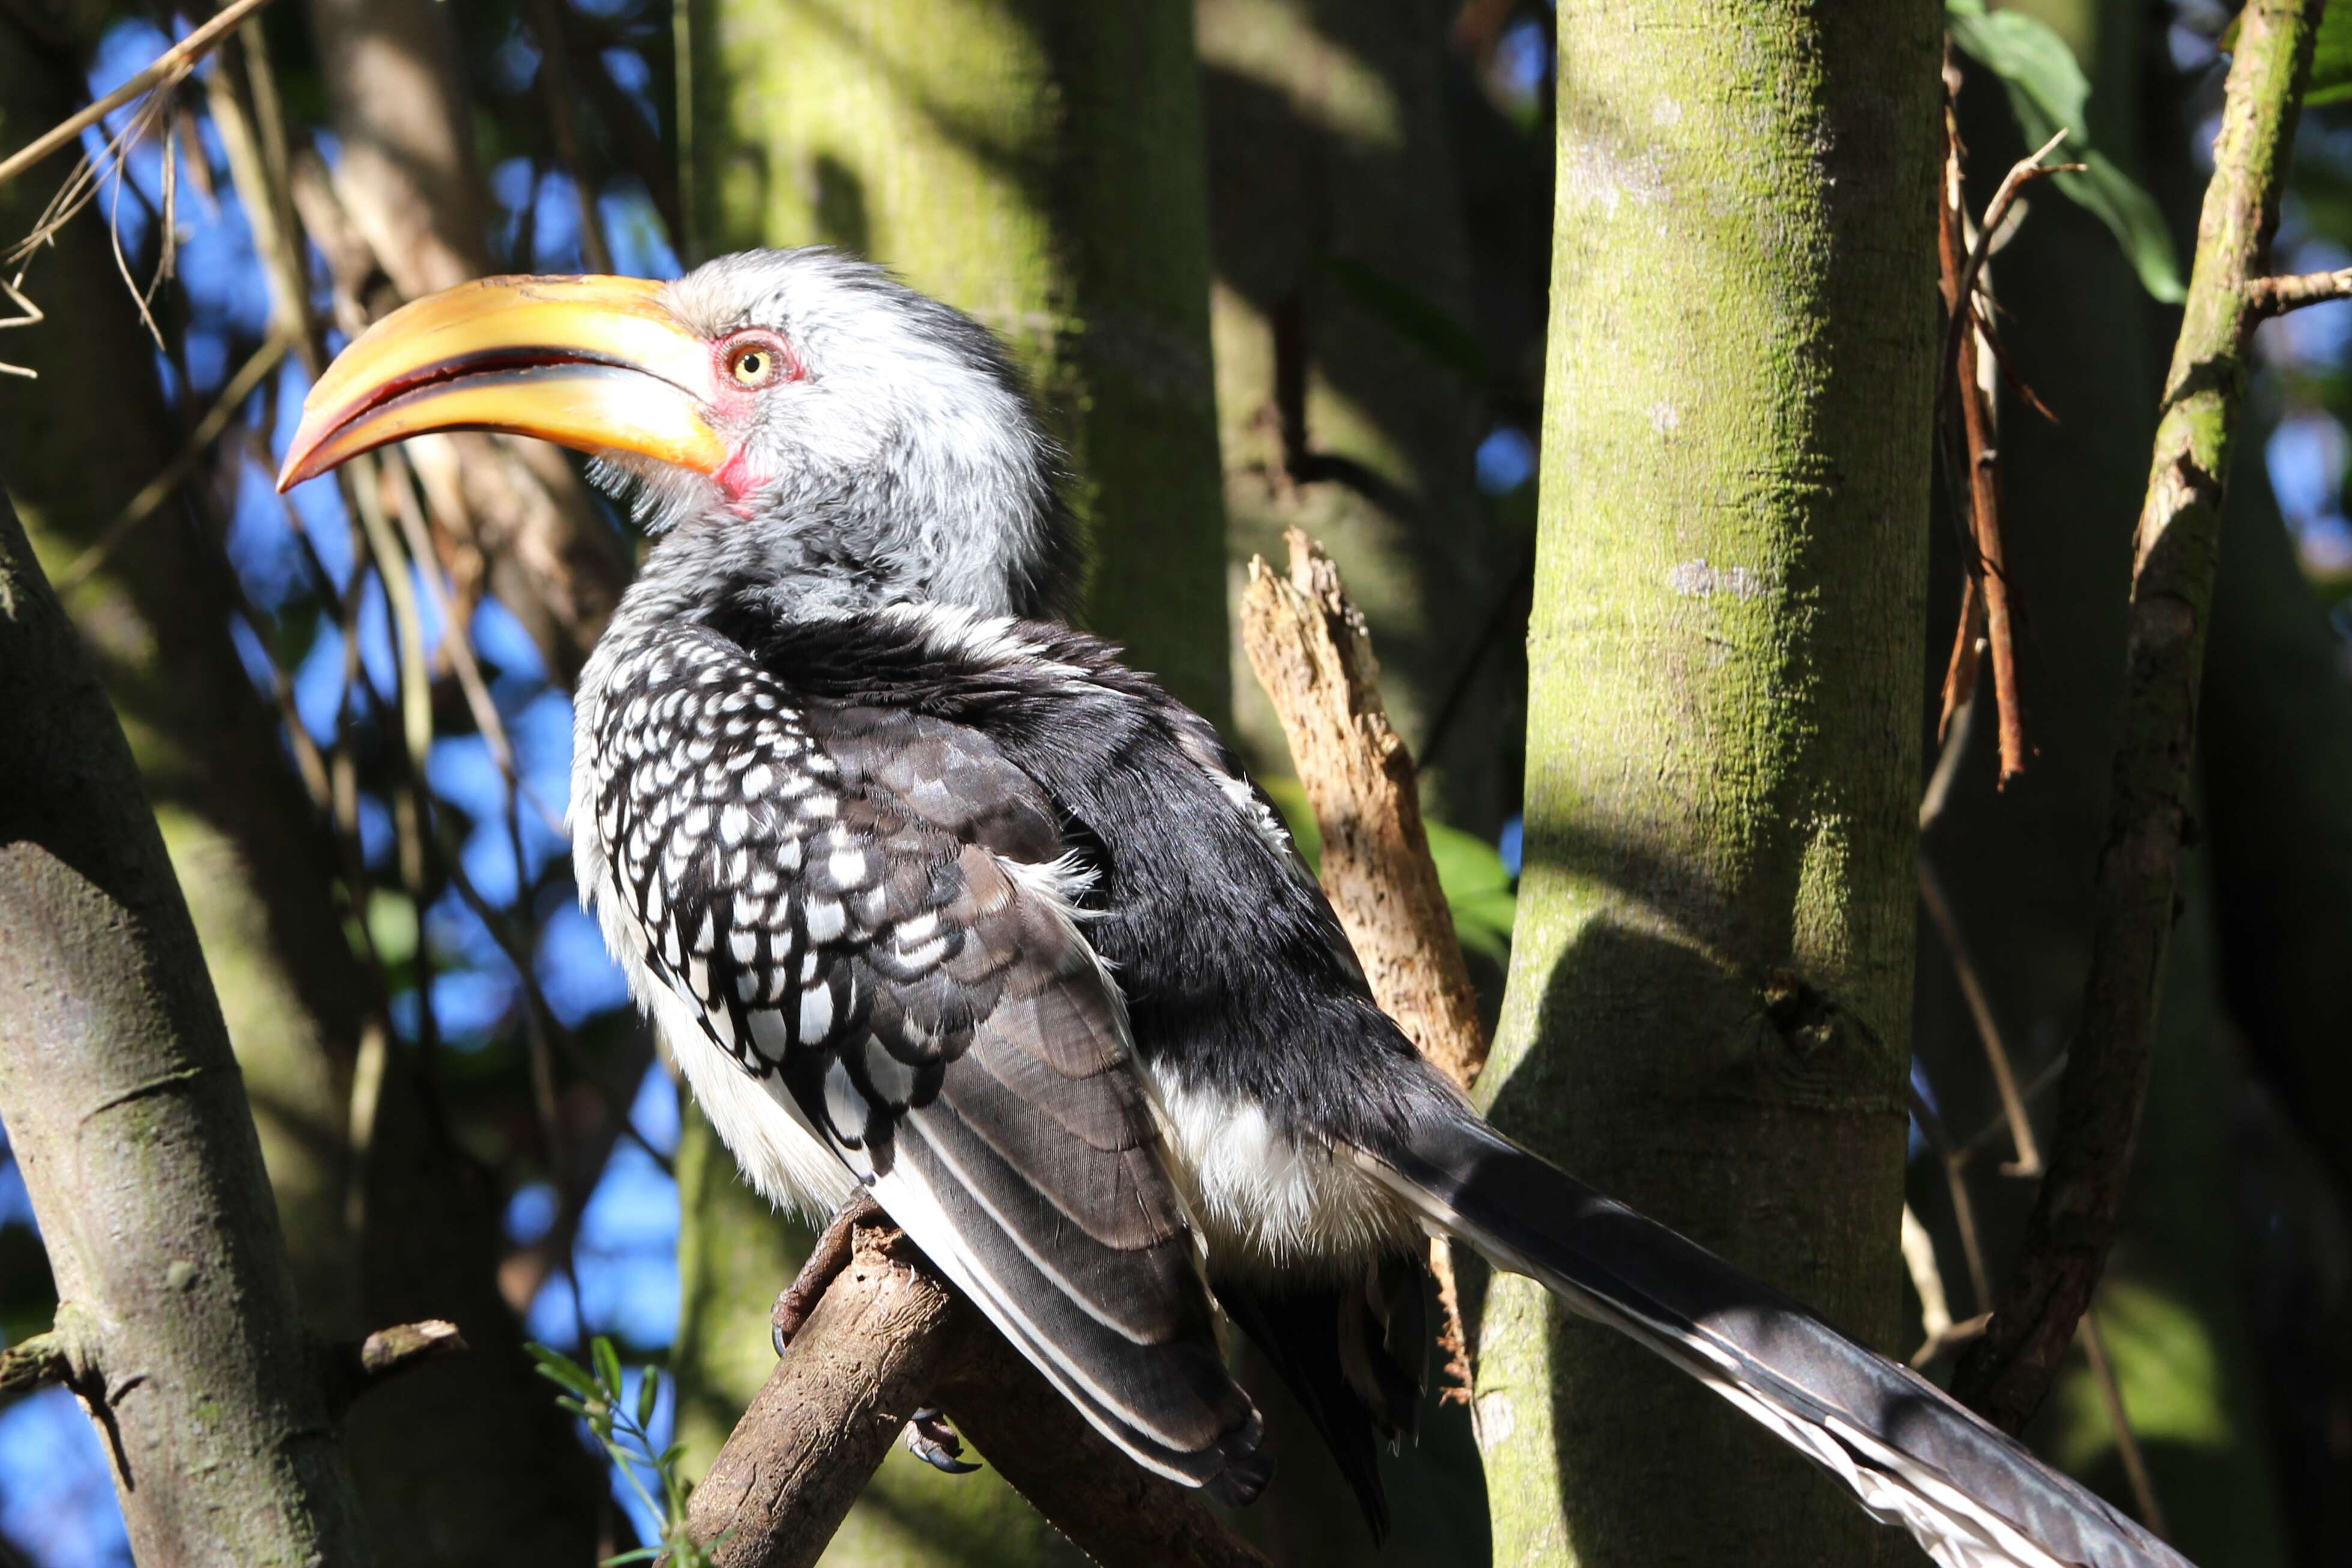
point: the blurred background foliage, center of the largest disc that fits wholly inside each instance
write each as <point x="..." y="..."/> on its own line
<point x="1276" y="263"/>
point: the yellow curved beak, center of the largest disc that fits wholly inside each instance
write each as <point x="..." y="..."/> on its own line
<point x="598" y="364"/>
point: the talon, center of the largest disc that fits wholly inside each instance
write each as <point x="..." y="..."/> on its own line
<point x="826" y="1260"/>
<point x="931" y="1440"/>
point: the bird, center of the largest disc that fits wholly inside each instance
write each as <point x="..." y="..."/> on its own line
<point x="937" y="902"/>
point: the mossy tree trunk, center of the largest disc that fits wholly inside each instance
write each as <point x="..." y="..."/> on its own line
<point x="176" y="1317"/>
<point x="1709" y="1005"/>
<point x="1035" y="162"/>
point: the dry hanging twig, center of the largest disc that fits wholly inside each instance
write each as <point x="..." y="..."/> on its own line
<point x="2006" y="1374"/>
<point x="1985" y="603"/>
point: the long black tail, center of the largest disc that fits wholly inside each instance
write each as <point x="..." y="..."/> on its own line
<point x="1974" y="1498"/>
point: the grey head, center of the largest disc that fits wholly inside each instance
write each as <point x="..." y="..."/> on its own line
<point x="885" y="450"/>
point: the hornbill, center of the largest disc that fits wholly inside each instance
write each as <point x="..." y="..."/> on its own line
<point x="935" y="899"/>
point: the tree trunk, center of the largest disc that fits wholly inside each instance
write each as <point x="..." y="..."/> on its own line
<point x="176" y="1311"/>
<point x="1329" y="163"/>
<point x="75" y="447"/>
<point x="1036" y="164"/>
<point x="468" y="1462"/>
<point x="1709" y="1005"/>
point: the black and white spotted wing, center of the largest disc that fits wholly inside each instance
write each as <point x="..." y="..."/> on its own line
<point x="861" y="906"/>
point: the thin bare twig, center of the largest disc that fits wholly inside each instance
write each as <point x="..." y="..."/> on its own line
<point x="1967" y="652"/>
<point x="1955" y="1161"/>
<point x="1954" y="1336"/>
<point x="1977" y="1142"/>
<point x="2277" y="295"/>
<point x="159" y="489"/>
<point x="166" y="68"/>
<point x="1987" y="568"/>
<point x="1926" y="1278"/>
<point x="31" y="317"/>
<point x="2127" y="1448"/>
<point x="1947" y="926"/>
<point x="1955" y="746"/>
<point x="2022" y="173"/>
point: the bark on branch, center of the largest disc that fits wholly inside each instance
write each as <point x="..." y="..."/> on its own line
<point x="1310" y="650"/>
<point x="350" y="1370"/>
<point x="2277" y="295"/>
<point x="2006" y="1372"/>
<point x="886" y="1338"/>
<point x="129" y="1121"/>
<point x="1308" y="646"/>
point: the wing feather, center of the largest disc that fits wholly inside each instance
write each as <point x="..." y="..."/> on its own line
<point x="858" y="906"/>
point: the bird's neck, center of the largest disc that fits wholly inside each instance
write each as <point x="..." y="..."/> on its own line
<point x="1001" y="547"/>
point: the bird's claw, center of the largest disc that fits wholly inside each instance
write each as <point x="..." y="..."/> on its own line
<point x="826" y="1260"/>
<point x="931" y="1440"/>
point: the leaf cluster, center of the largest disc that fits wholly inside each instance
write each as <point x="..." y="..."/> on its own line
<point x="2048" y="92"/>
<point x="622" y="1427"/>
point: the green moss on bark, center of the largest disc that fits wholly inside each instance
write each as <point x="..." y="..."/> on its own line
<point x="1708" y="1011"/>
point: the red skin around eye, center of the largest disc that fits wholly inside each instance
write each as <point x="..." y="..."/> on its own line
<point x="739" y="476"/>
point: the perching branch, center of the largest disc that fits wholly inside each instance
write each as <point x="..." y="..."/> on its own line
<point x="2006" y="1372"/>
<point x="886" y="1338"/>
<point x="863" y="1361"/>
<point x="129" y="1124"/>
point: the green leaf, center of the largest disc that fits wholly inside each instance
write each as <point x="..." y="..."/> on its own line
<point x="2047" y="91"/>
<point x="2331" y="56"/>
<point x="648" y="1390"/>
<point x="560" y="1369"/>
<point x="1412" y="316"/>
<point x="1477" y="888"/>
<point x="641" y="1554"/>
<point x="608" y="1367"/>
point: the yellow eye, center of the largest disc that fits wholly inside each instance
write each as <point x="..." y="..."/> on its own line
<point x="753" y="364"/>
